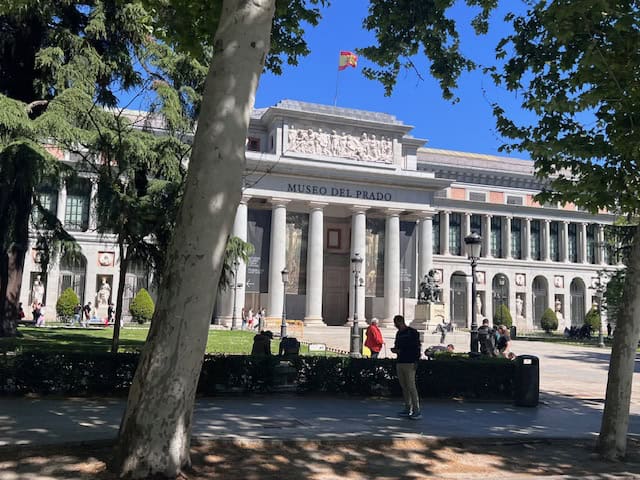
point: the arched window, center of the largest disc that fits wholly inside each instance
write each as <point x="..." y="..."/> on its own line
<point x="458" y="300"/>
<point x="136" y="278"/>
<point x="577" y="292"/>
<point x="73" y="271"/>
<point x="540" y="302"/>
<point x="500" y="292"/>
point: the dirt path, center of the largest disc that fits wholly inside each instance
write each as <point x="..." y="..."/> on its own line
<point x="348" y="460"/>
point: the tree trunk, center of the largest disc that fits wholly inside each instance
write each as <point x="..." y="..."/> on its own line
<point x="124" y="265"/>
<point x="155" y="431"/>
<point x="612" y="442"/>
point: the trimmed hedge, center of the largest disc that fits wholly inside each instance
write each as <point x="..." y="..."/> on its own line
<point x="107" y="374"/>
<point x="503" y="316"/>
<point x="549" y="320"/>
<point x="142" y="307"/>
<point x="592" y="318"/>
<point x="66" y="303"/>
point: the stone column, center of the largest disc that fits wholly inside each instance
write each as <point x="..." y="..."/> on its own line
<point x="582" y="251"/>
<point x="600" y="246"/>
<point x="564" y="241"/>
<point x="444" y="232"/>
<point x="486" y="237"/>
<point x="506" y="237"/>
<point x="391" y="267"/>
<point x="277" y="256"/>
<point x="526" y="239"/>
<point x="61" y="206"/>
<point x="466" y="226"/>
<point x="315" y="269"/>
<point x="425" y="250"/>
<point x="358" y="245"/>
<point x="546" y="240"/>
<point x="93" y="206"/>
<point x="225" y="304"/>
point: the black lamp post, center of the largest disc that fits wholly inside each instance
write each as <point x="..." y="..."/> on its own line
<point x="285" y="281"/>
<point x="499" y="295"/>
<point x="600" y="288"/>
<point x="356" y="262"/>
<point x="236" y="264"/>
<point x="473" y="244"/>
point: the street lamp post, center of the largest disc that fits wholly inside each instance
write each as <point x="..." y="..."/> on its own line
<point x="356" y="262"/>
<point x="499" y="295"/>
<point x="473" y="244"/>
<point x="285" y="281"/>
<point x="600" y="288"/>
<point x="236" y="264"/>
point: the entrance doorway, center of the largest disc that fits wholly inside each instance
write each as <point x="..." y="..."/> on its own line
<point x="335" y="289"/>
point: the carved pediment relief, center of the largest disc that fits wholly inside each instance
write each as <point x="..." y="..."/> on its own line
<point x="363" y="147"/>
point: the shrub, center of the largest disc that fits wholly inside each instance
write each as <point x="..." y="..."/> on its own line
<point x="66" y="303"/>
<point x="549" y="320"/>
<point x="592" y="318"/>
<point x="142" y="307"/>
<point x="503" y="316"/>
<point x="73" y="373"/>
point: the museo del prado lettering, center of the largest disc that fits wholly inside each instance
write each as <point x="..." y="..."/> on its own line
<point x="338" y="192"/>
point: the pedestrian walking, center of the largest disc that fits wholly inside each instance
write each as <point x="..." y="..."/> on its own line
<point x="407" y="348"/>
<point x="374" y="341"/>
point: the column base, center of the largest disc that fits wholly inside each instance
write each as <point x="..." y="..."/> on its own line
<point x="386" y="323"/>
<point x="226" y="321"/>
<point x="314" y="322"/>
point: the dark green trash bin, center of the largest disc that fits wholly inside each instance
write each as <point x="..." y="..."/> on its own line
<point x="526" y="391"/>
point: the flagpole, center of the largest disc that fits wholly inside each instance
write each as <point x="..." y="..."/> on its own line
<point x="335" y="98"/>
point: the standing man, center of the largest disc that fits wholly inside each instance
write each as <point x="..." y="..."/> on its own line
<point x="407" y="348"/>
<point x="374" y="340"/>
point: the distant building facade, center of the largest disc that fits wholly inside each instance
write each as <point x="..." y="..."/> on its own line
<point x="324" y="183"/>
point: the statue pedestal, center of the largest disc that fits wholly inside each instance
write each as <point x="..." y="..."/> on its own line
<point x="428" y="315"/>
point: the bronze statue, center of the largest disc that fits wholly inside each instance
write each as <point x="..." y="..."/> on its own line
<point x="430" y="292"/>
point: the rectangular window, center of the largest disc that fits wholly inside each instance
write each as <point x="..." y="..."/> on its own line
<point x="76" y="215"/>
<point x="516" y="238"/>
<point x="496" y="237"/>
<point x="554" y="241"/>
<point x="572" y="243"/>
<point x="535" y="239"/>
<point x="477" y="197"/>
<point x="435" y="242"/>
<point x="253" y="144"/>
<point x="49" y="201"/>
<point x="591" y="244"/>
<point x="455" y="234"/>
<point x="476" y="224"/>
<point x="514" y="200"/>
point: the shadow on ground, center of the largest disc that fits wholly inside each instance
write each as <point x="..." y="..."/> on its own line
<point x="353" y="460"/>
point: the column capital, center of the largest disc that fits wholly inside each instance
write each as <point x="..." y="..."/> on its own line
<point x="245" y="199"/>
<point x="528" y="219"/>
<point x="547" y="221"/>
<point x="566" y="222"/>
<point x="467" y="214"/>
<point x="393" y="212"/>
<point x="487" y="215"/>
<point x="508" y="217"/>
<point x="359" y="208"/>
<point x="279" y="202"/>
<point x="317" y="205"/>
<point x="425" y="214"/>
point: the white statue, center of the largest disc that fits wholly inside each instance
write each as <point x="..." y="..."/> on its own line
<point x="104" y="293"/>
<point x="518" y="307"/>
<point x="559" y="315"/>
<point x="37" y="290"/>
<point x="478" y="304"/>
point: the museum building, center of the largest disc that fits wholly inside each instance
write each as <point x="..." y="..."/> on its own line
<point x="324" y="183"/>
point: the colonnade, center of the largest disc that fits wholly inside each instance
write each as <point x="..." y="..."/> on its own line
<point x="315" y="261"/>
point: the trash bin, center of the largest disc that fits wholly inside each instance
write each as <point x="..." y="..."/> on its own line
<point x="526" y="388"/>
<point x="513" y="331"/>
<point x="363" y="338"/>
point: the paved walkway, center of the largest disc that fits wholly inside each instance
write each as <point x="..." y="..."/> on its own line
<point x="573" y="381"/>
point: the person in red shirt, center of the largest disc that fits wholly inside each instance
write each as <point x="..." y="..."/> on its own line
<point x="374" y="341"/>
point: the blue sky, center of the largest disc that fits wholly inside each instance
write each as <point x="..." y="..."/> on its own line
<point x="465" y="126"/>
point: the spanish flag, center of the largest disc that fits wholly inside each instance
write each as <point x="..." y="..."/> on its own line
<point x="347" y="59"/>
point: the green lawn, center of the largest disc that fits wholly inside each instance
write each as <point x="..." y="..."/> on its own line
<point x="131" y="339"/>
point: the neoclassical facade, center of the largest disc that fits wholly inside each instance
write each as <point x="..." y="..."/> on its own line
<point x="324" y="183"/>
